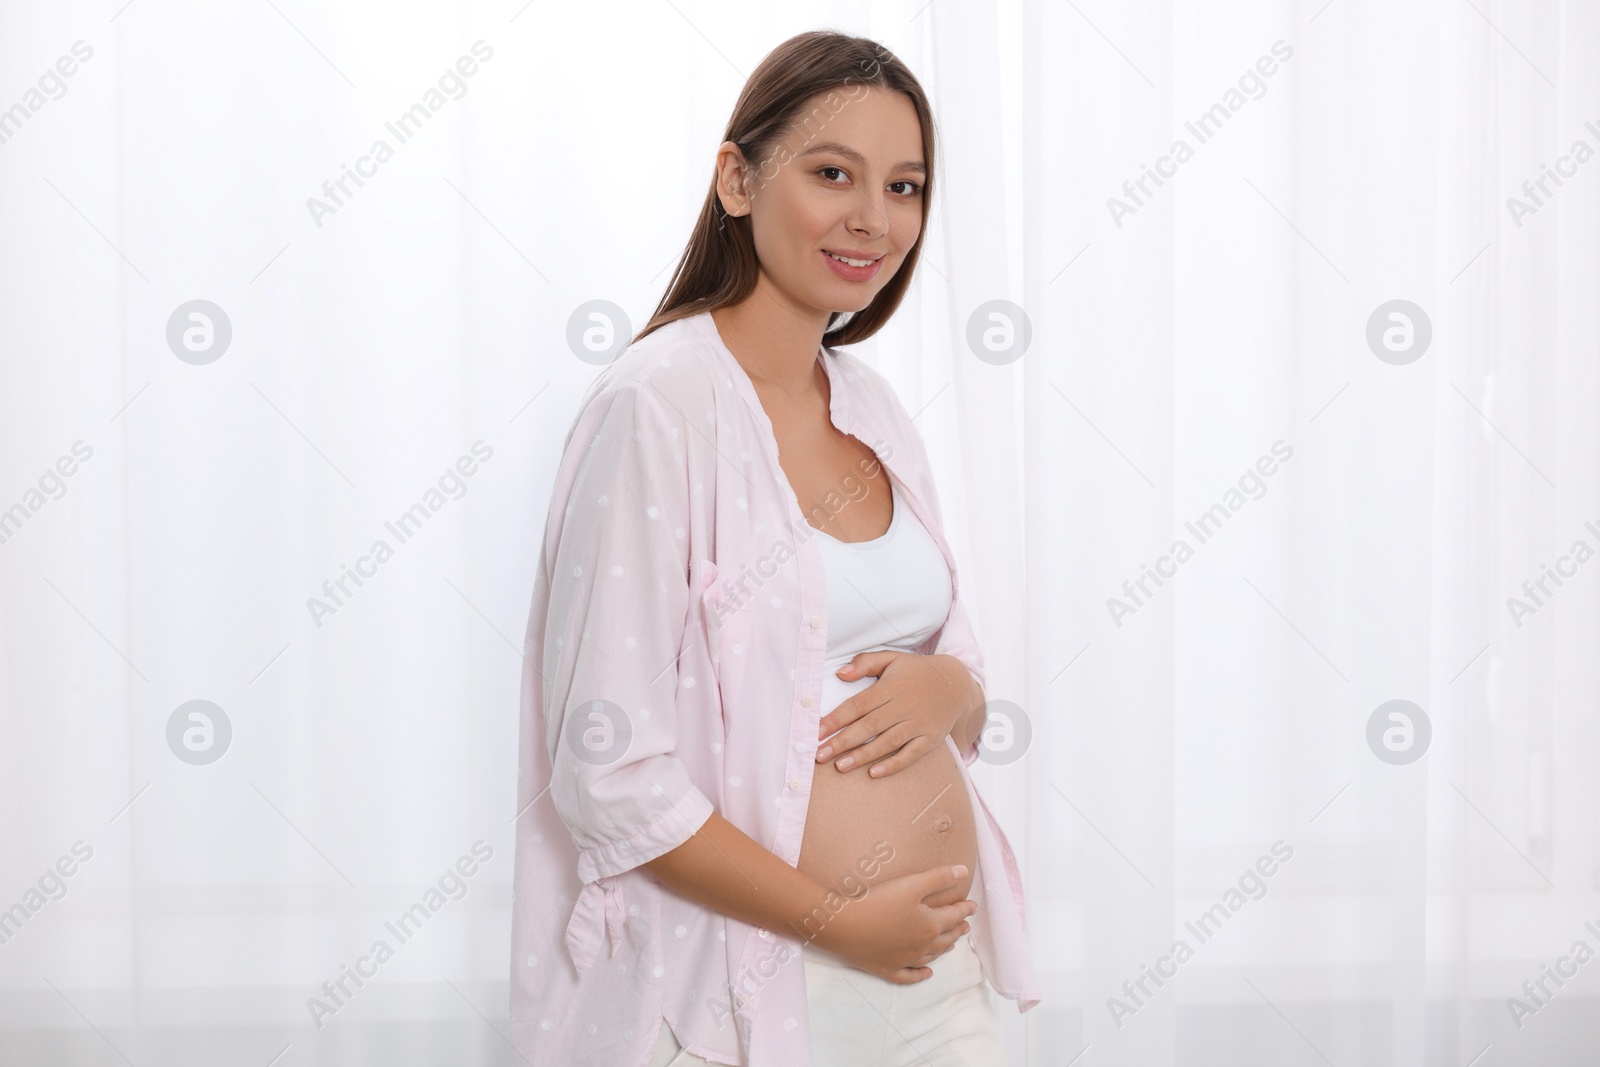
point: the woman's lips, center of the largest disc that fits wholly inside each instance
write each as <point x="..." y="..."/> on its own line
<point x="853" y="274"/>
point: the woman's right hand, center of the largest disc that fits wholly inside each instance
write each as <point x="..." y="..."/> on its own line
<point x="893" y="932"/>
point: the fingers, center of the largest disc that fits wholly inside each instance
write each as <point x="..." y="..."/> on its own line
<point x="848" y="711"/>
<point x="946" y="941"/>
<point x="942" y="944"/>
<point x="872" y="663"/>
<point x="847" y="721"/>
<point x="856" y="729"/>
<point x="950" y="915"/>
<point x="857" y="720"/>
<point x="893" y="737"/>
<point x="937" y="878"/>
<point x="911" y="975"/>
<point x="909" y="753"/>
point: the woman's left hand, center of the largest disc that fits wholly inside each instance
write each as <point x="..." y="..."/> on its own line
<point x="911" y="708"/>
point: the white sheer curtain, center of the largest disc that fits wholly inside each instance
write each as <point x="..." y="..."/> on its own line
<point x="181" y="520"/>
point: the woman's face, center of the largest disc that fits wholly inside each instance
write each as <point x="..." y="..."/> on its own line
<point x="848" y="183"/>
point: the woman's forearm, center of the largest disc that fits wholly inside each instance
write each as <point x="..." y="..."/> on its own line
<point x="726" y="870"/>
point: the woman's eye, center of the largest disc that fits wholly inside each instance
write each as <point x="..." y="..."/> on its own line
<point x="912" y="188"/>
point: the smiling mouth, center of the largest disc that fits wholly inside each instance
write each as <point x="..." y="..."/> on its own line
<point x="851" y="261"/>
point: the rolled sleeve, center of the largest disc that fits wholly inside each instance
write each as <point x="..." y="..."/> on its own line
<point x="618" y="552"/>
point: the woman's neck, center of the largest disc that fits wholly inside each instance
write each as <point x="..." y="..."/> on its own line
<point x="775" y="342"/>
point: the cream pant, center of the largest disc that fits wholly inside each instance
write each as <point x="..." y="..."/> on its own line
<point x="861" y="1020"/>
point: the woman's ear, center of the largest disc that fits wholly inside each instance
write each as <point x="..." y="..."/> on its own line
<point x="732" y="173"/>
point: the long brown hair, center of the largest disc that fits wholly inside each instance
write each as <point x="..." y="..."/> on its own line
<point x="719" y="266"/>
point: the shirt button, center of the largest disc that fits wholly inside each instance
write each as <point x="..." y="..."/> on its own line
<point x="794" y="785"/>
<point x="815" y="622"/>
<point x="762" y="934"/>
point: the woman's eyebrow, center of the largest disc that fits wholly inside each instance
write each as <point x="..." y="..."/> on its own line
<point x="853" y="156"/>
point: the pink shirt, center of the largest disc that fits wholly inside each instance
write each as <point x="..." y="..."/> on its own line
<point x="673" y="665"/>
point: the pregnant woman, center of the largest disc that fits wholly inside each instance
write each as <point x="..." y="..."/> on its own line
<point x="746" y="832"/>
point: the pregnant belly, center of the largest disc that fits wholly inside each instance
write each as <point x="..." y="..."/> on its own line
<point x="920" y="816"/>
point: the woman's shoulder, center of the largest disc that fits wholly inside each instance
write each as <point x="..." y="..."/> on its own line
<point x="674" y="363"/>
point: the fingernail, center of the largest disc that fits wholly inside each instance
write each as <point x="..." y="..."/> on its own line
<point x="824" y="752"/>
<point x="845" y="763"/>
<point x="876" y="772"/>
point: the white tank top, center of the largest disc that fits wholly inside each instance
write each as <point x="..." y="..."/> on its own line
<point x="890" y="592"/>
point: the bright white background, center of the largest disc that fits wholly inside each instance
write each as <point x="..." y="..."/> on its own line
<point x="1229" y="312"/>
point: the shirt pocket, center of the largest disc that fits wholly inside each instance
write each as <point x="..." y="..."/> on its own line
<point x="726" y="624"/>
